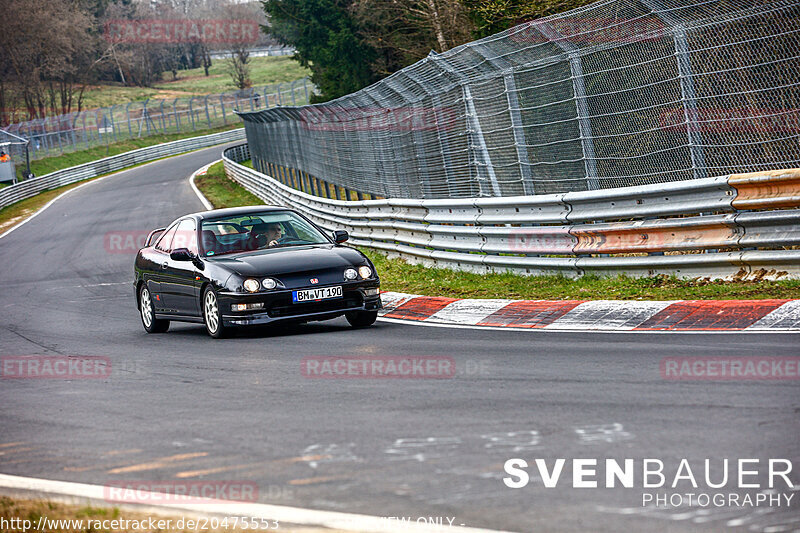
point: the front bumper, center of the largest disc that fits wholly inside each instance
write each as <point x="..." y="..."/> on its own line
<point x="278" y="305"/>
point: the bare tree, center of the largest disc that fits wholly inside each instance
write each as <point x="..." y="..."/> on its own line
<point x="404" y="31"/>
<point x="48" y="55"/>
<point x="238" y="67"/>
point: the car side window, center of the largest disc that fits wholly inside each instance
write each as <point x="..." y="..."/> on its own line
<point x="185" y="236"/>
<point x="165" y="241"/>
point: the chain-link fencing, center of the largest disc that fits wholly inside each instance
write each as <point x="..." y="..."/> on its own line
<point x="55" y="135"/>
<point x="617" y="93"/>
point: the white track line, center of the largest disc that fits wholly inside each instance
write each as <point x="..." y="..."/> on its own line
<point x="51" y="202"/>
<point x="200" y="195"/>
<point x="468" y="312"/>
<point x="426" y="323"/>
<point x="95" y="180"/>
<point x="280" y="513"/>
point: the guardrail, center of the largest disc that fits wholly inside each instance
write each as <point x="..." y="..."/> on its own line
<point x="28" y="188"/>
<point x="700" y="233"/>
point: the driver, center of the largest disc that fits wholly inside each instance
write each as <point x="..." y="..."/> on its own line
<point x="273" y="233"/>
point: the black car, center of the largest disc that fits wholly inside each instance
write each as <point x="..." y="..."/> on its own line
<point x="251" y="265"/>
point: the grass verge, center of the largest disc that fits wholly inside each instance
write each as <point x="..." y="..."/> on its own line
<point x="51" y="164"/>
<point x="67" y="518"/>
<point x="194" y="82"/>
<point x="221" y="191"/>
<point x="17" y="212"/>
<point x="400" y="276"/>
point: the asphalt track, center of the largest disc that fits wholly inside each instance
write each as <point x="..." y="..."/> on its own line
<point x="181" y="406"/>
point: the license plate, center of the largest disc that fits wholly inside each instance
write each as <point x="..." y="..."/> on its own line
<point x="323" y="293"/>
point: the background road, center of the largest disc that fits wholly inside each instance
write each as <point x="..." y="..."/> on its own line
<point x="184" y="406"/>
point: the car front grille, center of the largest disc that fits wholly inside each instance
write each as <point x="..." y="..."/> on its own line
<point x="287" y="309"/>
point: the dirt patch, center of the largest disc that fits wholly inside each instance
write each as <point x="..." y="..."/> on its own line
<point x="11" y="222"/>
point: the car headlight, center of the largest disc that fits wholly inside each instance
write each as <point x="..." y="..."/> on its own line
<point x="269" y="283"/>
<point x="251" y="285"/>
<point x="350" y="274"/>
<point x="364" y="271"/>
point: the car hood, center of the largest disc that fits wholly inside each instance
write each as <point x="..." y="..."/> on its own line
<point x="286" y="263"/>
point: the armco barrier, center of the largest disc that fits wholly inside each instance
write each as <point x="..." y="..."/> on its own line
<point x="701" y="232"/>
<point x="26" y="189"/>
<point x="761" y="190"/>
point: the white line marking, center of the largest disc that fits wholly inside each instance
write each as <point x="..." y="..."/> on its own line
<point x="280" y="513"/>
<point x="609" y="314"/>
<point x="467" y="311"/>
<point x="785" y="317"/>
<point x="96" y="180"/>
<point x="393" y="300"/>
<point x="51" y="202"/>
<point x="200" y="195"/>
<point x="581" y="330"/>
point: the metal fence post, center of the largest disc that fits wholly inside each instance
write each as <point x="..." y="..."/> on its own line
<point x="191" y="113"/>
<point x="222" y="104"/>
<point x="128" y="118"/>
<point x="208" y="115"/>
<point x="515" y="115"/>
<point x="688" y="96"/>
<point x="161" y="113"/>
<point x="85" y="133"/>
<point x="175" y="112"/>
<point x="475" y="131"/>
<point x="581" y="105"/>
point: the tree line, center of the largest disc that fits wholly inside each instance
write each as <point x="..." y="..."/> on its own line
<point x="52" y="51"/>
<point x="349" y="44"/>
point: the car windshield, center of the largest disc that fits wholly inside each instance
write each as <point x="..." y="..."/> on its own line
<point x="257" y="231"/>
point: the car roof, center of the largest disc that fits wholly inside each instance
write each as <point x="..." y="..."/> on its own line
<point x="236" y="211"/>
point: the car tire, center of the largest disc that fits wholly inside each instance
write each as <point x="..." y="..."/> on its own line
<point x="147" y="312"/>
<point x="361" y="319"/>
<point x="212" y="314"/>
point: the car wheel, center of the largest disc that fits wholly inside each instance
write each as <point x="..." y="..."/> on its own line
<point x="361" y="319"/>
<point x="212" y="314"/>
<point x="148" y="313"/>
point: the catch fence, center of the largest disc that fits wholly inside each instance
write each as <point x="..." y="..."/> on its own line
<point x="617" y="93"/>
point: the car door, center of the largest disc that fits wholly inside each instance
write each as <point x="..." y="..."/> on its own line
<point x="160" y="259"/>
<point x="179" y="285"/>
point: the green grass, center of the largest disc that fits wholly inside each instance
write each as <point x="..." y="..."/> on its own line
<point x="223" y="192"/>
<point x="51" y="164"/>
<point x="397" y="275"/>
<point x="400" y="276"/>
<point x="193" y="82"/>
<point x="18" y="211"/>
<point x="263" y="71"/>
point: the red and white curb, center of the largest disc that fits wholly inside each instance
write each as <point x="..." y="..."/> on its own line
<point x="596" y="315"/>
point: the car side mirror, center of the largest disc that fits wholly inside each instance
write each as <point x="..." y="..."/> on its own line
<point x="181" y="254"/>
<point x="339" y="236"/>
